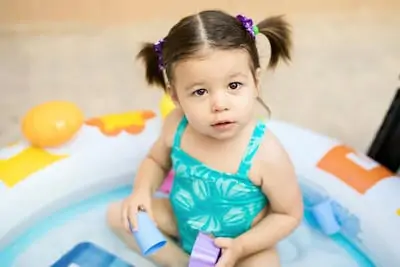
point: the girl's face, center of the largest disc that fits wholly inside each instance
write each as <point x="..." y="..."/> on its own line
<point x="216" y="91"/>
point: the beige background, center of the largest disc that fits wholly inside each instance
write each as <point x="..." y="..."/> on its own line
<point x="344" y="72"/>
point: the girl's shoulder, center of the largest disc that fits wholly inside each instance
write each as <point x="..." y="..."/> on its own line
<point x="272" y="152"/>
<point x="271" y="158"/>
<point x="277" y="177"/>
<point x="170" y="125"/>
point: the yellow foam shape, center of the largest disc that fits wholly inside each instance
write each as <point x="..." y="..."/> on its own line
<point x="114" y="121"/>
<point x="130" y="122"/>
<point x="166" y="105"/>
<point x="25" y="163"/>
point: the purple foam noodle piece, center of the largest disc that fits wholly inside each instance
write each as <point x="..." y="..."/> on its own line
<point x="204" y="253"/>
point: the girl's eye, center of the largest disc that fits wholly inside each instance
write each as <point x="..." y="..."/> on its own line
<point x="200" y="92"/>
<point x="234" y="85"/>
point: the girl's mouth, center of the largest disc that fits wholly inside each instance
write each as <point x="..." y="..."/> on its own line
<point x="220" y="123"/>
<point x="223" y="125"/>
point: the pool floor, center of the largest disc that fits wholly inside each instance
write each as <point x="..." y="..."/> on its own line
<point x="44" y="243"/>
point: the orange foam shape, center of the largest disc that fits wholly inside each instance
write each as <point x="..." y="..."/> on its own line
<point x="346" y="165"/>
<point x="130" y="122"/>
<point x="52" y="124"/>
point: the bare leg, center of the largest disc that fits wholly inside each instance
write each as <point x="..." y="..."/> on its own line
<point x="268" y="258"/>
<point x="171" y="255"/>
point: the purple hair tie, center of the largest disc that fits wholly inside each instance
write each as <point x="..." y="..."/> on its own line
<point x="158" y="49"/>
<point x="248" y="25"/>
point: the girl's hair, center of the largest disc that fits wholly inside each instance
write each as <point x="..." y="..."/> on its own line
<point x="214" y="29"/>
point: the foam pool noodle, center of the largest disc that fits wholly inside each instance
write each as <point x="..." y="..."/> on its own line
<point x="167" y="184"/>
<point x="204" y="253"/>
<point x="319" y="204"/>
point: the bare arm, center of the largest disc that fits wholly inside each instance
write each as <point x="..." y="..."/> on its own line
<point x="157" y="163"/>
<point x="279" y="183"/>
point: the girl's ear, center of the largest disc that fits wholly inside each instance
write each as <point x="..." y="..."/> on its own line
<point x="258" y="81"/>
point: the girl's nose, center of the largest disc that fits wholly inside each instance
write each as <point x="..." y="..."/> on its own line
<point x="219" y="102"/>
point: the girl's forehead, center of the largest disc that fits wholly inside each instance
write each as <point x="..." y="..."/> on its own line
<point x="214" y="62"/>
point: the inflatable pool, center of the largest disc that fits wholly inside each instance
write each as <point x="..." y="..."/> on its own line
<point x="55" y="188"/>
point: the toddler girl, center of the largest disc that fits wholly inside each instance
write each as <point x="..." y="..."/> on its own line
<point x="233" y="180"/>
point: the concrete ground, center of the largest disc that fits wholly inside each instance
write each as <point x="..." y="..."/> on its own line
<point x="345" y="67"/>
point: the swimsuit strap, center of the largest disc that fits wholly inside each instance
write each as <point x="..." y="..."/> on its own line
<point x="179" y="132"/>
<point x="252" y="148"/>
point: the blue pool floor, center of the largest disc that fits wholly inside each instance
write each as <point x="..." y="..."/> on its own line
<point x="57" y="235"/>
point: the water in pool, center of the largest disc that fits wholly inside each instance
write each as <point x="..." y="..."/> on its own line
<point x="47" y="241"/>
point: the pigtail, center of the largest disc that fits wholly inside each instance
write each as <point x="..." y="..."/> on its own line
<point x="277" y="30"/>
<point x="154" y="75"/>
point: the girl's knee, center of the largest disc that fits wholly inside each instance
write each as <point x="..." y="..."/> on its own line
<point x="161" y="210"/>
<point x="113" y="216"/>
<point x="268" y="257"/>
<point x="164" y="217"/>
<point x="272" y="257"/>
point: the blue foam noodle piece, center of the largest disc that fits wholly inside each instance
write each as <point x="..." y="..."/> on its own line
<point x="87" y="254"/>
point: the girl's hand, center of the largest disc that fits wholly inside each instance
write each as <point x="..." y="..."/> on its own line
<point x="231" y="252"/>
<point x="137" y="201"/>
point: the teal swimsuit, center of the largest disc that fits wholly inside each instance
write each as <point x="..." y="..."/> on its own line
<point x="213" y="202"/>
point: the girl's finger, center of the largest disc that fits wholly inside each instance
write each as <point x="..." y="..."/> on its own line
<point x="125" y="217"/>
<point x="132" y="218"/>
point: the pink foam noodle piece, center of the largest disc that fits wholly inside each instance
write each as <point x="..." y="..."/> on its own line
<point x="204" y="253"/>
<point x="167" y="184"/>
